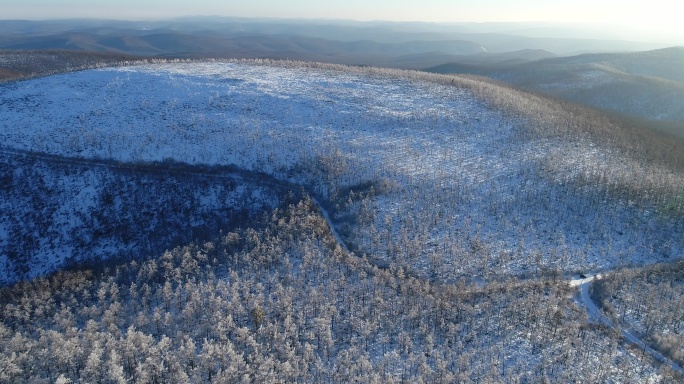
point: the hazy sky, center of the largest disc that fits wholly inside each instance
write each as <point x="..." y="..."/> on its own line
<point x="663" y="16"/>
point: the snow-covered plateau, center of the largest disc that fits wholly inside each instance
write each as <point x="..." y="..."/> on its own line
<point x="466" y="206"/>
<point x="441" y="182"/>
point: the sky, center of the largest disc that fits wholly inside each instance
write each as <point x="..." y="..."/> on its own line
<point x="655" y="17"/>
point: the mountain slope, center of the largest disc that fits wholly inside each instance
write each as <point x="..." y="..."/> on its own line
<point x="279" y="300"/>
<point x="643" y="84"/>
<point x="58" y="212"/>
<point x="466" y="205"/>
<point x="485" y="174"/>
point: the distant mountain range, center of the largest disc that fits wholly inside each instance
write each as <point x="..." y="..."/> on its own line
<point x="369" y="43"/>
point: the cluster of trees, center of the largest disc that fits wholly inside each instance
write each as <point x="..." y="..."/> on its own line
<point x="31" y="63"/>
<point x="544" y="116"/>
<point x="282" y="301"/>
<point x="650" y="301"/>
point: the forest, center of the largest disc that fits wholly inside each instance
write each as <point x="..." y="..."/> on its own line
<point x="289" y="305"/>
<point x="649" y="301"/>
<point x="279" y="221"/>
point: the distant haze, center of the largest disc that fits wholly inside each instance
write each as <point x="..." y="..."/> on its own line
<point x="656" y="20"/>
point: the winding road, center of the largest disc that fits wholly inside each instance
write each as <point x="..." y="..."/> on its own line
<point x="326" y="215"/>
<point x="596" y="315"/>
<point x="583" y="285"/>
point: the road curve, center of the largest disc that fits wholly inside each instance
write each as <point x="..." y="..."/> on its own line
<point x="341" y="242"/>
<point x="596" y="315"/>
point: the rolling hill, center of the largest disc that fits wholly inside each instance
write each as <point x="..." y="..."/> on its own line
<point x="344" y="42"/>
<point x="261" y="220"/>
<point x="646" y="85"/>
<point x="631" y="77"/>
<point x="418" y="137"/>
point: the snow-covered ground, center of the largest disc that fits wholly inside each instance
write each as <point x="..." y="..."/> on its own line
<point x="596" y="315"/>
<point x="55" y="213"/>
<point x="471" y="189"/>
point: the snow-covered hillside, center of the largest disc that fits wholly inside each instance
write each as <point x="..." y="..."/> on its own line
<point x="55" y="212"/>
<point x="604" y="87"/>
<point x="458" y="186"/>
<point x="467" y="199"/>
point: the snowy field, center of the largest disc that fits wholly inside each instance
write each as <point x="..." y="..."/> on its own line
<point x="471" y="191"/>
